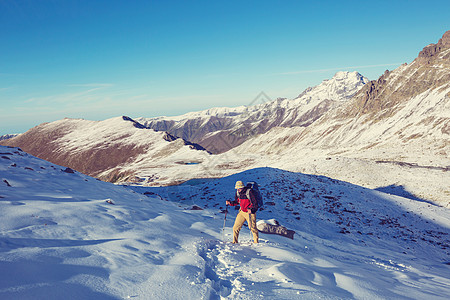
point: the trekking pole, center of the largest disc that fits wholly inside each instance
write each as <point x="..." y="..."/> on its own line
<point x="224" y="220"/>
<point x="250" y="227"/>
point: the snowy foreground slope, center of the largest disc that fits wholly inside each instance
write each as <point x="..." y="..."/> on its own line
<point x="65" y="235"/>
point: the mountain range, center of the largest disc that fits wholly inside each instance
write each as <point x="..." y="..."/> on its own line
<point x="221" y="129"/>
<point x="391" y="133"/>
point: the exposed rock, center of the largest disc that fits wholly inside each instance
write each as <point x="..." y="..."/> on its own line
<point x="171" y="138"/>
<point x="275" y="228"/>
<point x="430" y="51"/>
<point x="168" y="137"/>
<point x="68" y="170"/>
<point x="195" y="207"/>
<point x="136" y="124"/>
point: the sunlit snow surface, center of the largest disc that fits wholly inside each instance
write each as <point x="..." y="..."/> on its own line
<point x="70" y="236"/>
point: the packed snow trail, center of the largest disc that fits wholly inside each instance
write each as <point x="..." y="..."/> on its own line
<point x="292" y="270"/>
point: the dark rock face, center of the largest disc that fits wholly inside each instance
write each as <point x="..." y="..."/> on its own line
<point x="195" y="207"/>
<point x="432" y="50"/>
<point x="68" y="170"/>
<point x="370" y="93"/>
<point x="136" y="124"/>
<point x="168" y="137"/>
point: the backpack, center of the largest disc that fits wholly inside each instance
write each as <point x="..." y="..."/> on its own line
<point x="255" y="188"/>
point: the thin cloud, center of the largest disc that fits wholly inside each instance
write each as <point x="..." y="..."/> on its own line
<point x="7" y="88"/>
<point x="99" y="85"/>
<point x="336" y="69"/>
<point x="87" y="94"/>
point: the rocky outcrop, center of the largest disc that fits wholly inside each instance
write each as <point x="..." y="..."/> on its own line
<point x="370" y="95"/>
<point x="429" y="52"/>
<point x="381" y="98"/>
<point x="274" y="227"/>
<point x="171" y="138"/>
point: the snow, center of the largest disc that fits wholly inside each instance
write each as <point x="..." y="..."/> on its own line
<point x="86" y="134"/>
<point x="8" y="136"/>
<point x="71" y="236"/>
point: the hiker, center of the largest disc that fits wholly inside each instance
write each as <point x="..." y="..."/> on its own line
<point x="247" y="212"/>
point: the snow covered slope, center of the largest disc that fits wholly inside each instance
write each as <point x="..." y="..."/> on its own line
<point x="220" y="129"/>
<point x="113" y="150"/>
<point x="67" y="235"/>
<point x="7" y="136"/>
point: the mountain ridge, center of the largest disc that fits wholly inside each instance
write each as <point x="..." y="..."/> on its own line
<point x="221" y="129"/>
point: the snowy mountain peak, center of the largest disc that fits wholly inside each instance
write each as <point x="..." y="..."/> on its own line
<point x="341" y="87"/>
<point x="347" y="75"/>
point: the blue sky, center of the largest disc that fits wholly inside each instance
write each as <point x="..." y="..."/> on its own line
<point x="101" y="59"/>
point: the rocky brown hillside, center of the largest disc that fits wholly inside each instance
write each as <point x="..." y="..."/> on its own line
<point x="108" y="150"/>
